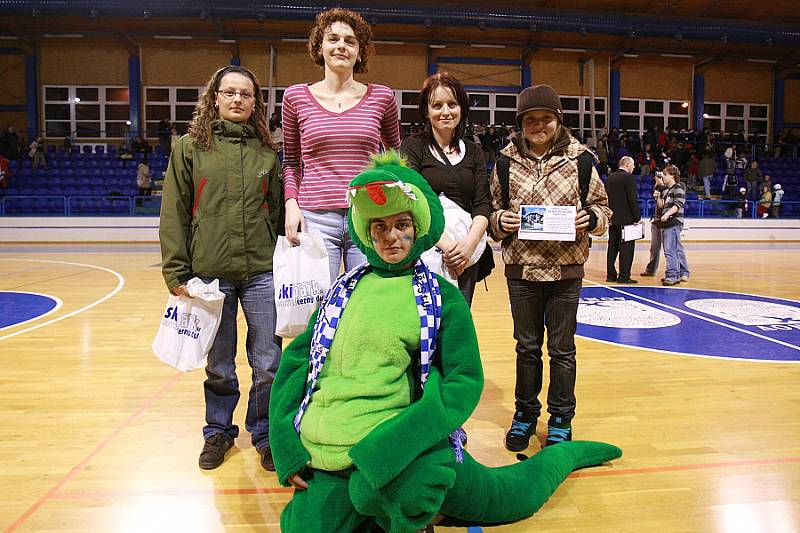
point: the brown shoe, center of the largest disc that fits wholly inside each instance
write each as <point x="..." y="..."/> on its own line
<point x="647" y="274"/>
<point x="214" y="450"/>
<point x="266" y="459"/>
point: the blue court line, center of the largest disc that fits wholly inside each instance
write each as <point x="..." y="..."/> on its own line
<point x="699" y="317"/>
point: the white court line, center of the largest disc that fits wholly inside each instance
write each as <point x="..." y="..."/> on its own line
<point x="700" y="317"/>
<point x="58" y="301"/>
<point x="120" y="284"/>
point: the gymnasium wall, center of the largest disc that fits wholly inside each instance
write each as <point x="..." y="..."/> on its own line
<point x="739" y="82"/>
<point x="662" y="78"/>
<point x="792" y="101"/>
<point x="71" y="62"/>
<point x="562" y="70"/>
<point x="12" y="90"/>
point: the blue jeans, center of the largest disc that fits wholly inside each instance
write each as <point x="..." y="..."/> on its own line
<point x="707" y="185"/>
<point x="263" y="353"/>
<point x="332" y="225"/>
<point x="677" y="265"/>
<point x="534" y="306"/>
<point x="655" y="249"/>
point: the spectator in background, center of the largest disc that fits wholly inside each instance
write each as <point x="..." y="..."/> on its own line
<point x="621" y="190"/>
<point x="164" y="127"/>
<point x="671" y="221"/>
<point x="3" y="172"/>
<point x="276" y="130"/>
<point x="765" y="202"/>
<point x="777" y="198"/>
<point x="741" y="206"/>
<point x="143" y="179"/>
<point x="767" y="182"/>
<point x="36" y="153"/>
<point x="647" y="161"/>
<point x="490" y="144"/>
<point x="174" y="137"/>
<point x="692" y="168"/>
<point x="66" y="146"/>
<point x="705" y="169"/>
<point x="139" y="145"/>
<point x="751" y="178"/>
<point x="10" y="143"/>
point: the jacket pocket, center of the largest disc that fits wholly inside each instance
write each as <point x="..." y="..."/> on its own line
<point x="208" y="248"/>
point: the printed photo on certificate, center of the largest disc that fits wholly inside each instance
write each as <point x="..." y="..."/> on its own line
<point x="547" y="222"/>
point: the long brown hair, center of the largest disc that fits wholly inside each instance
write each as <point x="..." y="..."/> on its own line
<point x="205" y="113"/>
<point x="447" y="81"/>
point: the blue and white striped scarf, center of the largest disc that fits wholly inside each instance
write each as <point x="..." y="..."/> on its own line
<point x="429" y="306"/>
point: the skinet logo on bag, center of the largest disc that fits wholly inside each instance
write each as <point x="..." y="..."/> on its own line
<point x="184" y="323"/>
<point x="305" y="292"/>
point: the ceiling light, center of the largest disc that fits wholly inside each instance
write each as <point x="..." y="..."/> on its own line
<point x="679" y="56"/>
<point x="147" y="14"/>
<point x="479" y="45"/>
<point x="630" y="55"/>
<point x="261" y="18"/>
<point x="705" y="115"/>
<point x="294" y="40"/>
<point x="437" y="46"/>
<point x="579" y="50"/>
<point x="685" y="105"/>
<point x="173" y="37"/>
<point x="63" y="35"/>
<point x="771" y="61"/>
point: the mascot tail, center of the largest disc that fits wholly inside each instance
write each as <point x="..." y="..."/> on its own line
<point x="486" y="496"/>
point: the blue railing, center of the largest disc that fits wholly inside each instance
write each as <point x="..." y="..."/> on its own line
<point x="94" y="205"/>
<point x="720" y="209"/>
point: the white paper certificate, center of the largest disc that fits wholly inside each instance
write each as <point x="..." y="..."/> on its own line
<point x="547" y="222"/>
<point x="632" y="232"/>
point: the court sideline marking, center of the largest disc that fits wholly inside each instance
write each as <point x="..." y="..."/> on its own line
<point x="120" y="284"/>
<point x="700" y="317"/>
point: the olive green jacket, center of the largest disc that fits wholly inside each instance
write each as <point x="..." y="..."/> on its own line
<point x="222" y="208"/>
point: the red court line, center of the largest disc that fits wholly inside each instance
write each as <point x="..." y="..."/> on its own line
<point x="80" y="466"/>
<point x="97" y="494"/>
<point x="676" y="468"/>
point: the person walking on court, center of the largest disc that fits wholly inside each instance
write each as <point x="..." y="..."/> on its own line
<point x="220" y="215"/>
<point x="546" y="166"/>
<point x="621" y="190"/>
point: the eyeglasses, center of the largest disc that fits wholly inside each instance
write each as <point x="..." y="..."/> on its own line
<point x="230" y="95"/>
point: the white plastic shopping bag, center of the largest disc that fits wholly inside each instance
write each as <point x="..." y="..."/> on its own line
<point x="435" y="261"/>
<point x="457" y="224"/>
<point x="189" y="325"/>
<point x="302" y="277"/>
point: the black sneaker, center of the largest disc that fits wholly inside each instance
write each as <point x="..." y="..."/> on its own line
<point x="266" y="459"/>
<point x="559" y="430"/>
<point x="522" y="427"/>
<point x="214" y="450"/>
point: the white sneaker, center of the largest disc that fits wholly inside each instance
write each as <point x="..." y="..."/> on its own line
<point x="765" y="215"/>
<point x="684" y="278"/>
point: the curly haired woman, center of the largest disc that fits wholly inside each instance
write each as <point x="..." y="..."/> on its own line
<point x="330" y="128"/>
<point x="220" y="215"/>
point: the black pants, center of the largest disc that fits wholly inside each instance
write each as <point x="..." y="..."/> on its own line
<point x="624" y="250"/>
<point x="536" y="305"/>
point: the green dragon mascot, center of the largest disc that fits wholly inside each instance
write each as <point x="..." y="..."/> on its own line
<point x="367" y="405"/>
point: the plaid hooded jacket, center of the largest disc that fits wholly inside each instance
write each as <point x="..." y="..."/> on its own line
<point x="553" y="180"/>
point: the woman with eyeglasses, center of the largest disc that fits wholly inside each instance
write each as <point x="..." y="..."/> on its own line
<point x="330" y="128"/>
<point x="221" y="212"/>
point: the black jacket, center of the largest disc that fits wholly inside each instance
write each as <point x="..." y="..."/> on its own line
<point x="621" y="189"/>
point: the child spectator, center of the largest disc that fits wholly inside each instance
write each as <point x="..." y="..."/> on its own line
<point x="777" y="197"/>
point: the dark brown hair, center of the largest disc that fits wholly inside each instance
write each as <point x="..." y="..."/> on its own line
<point x="447" y="81"/>
<point x="673" y="171"/>
<point x="361" y="28"/>
<point x="205" y="113"/>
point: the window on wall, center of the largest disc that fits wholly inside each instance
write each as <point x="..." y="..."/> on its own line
<point x="732" y="118"/>
<point x="485" y="108"/>
<point x="175" y="104"/>
<point x="85" y="112"/>
<point x="578" y="114"/>
<point x="641" y="114"/>
<point x="273" y="97"/>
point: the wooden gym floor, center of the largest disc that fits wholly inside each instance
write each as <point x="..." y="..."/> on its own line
<point x="98" y="435"/>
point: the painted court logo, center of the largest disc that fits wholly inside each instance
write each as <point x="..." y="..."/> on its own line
<point x="305" y="292"/>
<point x="184" y="323"/>
<point x="692" y="322"/>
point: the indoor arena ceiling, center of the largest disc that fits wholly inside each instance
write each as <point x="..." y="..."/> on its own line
<point x="707" y="30"/>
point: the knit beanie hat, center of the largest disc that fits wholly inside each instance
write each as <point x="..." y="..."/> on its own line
<point x="539" y="97"/>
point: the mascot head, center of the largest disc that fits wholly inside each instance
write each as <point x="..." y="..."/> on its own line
<point x="388" y="187"/>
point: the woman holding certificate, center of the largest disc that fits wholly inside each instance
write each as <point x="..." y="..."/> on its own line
<point x="453" y="166"/>
<point x="549" y="177"/>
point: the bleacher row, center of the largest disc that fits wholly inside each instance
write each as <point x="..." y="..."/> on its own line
<point x="87" y="180"/>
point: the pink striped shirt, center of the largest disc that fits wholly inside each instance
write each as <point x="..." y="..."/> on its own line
<point x="323" y="151"/>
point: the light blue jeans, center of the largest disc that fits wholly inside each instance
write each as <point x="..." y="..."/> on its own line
<point x="677" y="265"/>
<point x="332" y="224"/>
<point x="263" y="353"/>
